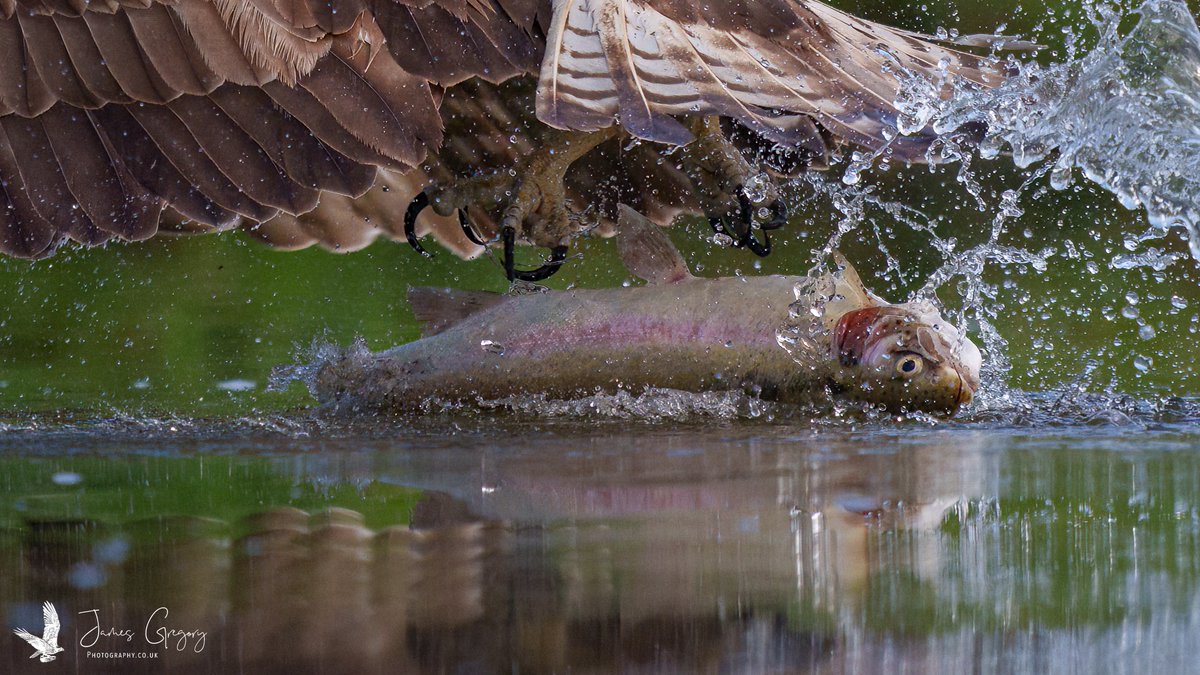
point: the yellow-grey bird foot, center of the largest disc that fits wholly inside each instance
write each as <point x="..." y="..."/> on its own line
<point x="735" y="194"/>
<point x="529" y="199"/>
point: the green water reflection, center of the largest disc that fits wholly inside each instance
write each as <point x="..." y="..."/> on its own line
<point x="662" y="550"/>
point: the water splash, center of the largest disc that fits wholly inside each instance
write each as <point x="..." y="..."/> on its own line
<point x="652" y="405"/>
<point x="309" y="361"/>
<point x="1126" y="114"/>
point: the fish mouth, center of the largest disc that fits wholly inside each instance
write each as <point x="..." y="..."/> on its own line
<point x="965" y="394"/>
<point x="964" y="388"/>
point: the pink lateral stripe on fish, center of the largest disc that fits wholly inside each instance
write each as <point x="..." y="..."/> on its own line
<point x="679" y="332"/>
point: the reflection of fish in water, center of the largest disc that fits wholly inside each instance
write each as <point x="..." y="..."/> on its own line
<point x="679" y="332"/>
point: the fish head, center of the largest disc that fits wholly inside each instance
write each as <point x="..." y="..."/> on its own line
<point x="905" y="357"/>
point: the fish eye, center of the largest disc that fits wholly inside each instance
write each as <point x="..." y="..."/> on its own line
<point x="909" y="365"/>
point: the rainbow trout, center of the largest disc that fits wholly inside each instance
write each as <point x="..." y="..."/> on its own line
<point x="679" y="332"/>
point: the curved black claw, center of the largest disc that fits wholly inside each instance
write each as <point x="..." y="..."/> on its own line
<point x="465" y="224"/>
<point x="419" y="204"/>
<point x="779" y="216"/>
<point x="558" y="255"/>
<point x="415" y="207"/>
<point x="743" y="230"/>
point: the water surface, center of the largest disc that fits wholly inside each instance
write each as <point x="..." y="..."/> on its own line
<point x="557" y="547"/>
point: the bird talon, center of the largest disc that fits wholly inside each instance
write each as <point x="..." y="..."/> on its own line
<point x="718" y="227"/>
<point x="415" y="207"/>
<point x="508" y="235"/>
<point x="761" y="250"/>
<point x="746" y="237"/>
<point x="745" y="207"/>
<point x="558" y="255"/>
<point x="742" y="231"/>
<point x="779" y="215"/>
<point x="468" y="230"/>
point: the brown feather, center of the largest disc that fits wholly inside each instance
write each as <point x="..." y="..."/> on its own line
<point x="507" y="50"/>
<point x="276" y="51"/>
<point x="449" y="44"/>
<point x="386" y="108"/>
<point x="281" y="232"/>
<point x="41" y="171"/>
<point x="338" y="21"/>
<point x="216" y="45"/>
<point x="97" y="178"/>
<point x="239" y="157"/>
<point x="88" y="62"/>
<point x="522" y="12"/>
<point x="312" y="114"/>
<point x="21" y="88"/>
<point x="298" y="13"/>
<point x="50" y="56"/>
<point x="125" y="60"/>
<point x="177" y="144"/>
<point x="145" y="161"/>
<point x="343" y="224"/>
<point x="24" y="233"/>
<point x="765" y="63"/>
<point x="290" y="145"/>
<point x="161" y="36"/>
<point x="426" y="42"/>
<point x="51" y="7"/>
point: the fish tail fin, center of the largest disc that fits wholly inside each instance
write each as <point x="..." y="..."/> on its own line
<point x="646" y="250"/>
<point x="438" y="309"/>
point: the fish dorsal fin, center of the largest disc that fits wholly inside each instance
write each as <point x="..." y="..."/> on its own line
<point x="438" y="309"/>
<point x="647" y="251"/>
<point x="849" y="292"/>
<point x="852" y="286"/>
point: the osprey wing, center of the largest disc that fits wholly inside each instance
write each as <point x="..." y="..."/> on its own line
<point x="225" y="112"/>
<point x="777" y="66"/>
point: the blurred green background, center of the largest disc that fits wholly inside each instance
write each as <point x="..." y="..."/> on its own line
<point x="194" y="326"/>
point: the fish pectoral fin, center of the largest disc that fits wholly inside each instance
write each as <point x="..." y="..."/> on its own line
<point x="438" y="309"/>
<point x="647" y="251"/>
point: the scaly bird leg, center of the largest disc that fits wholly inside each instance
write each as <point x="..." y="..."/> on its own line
<point x="724" y="179"/>
<point x="530" y="200"/>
